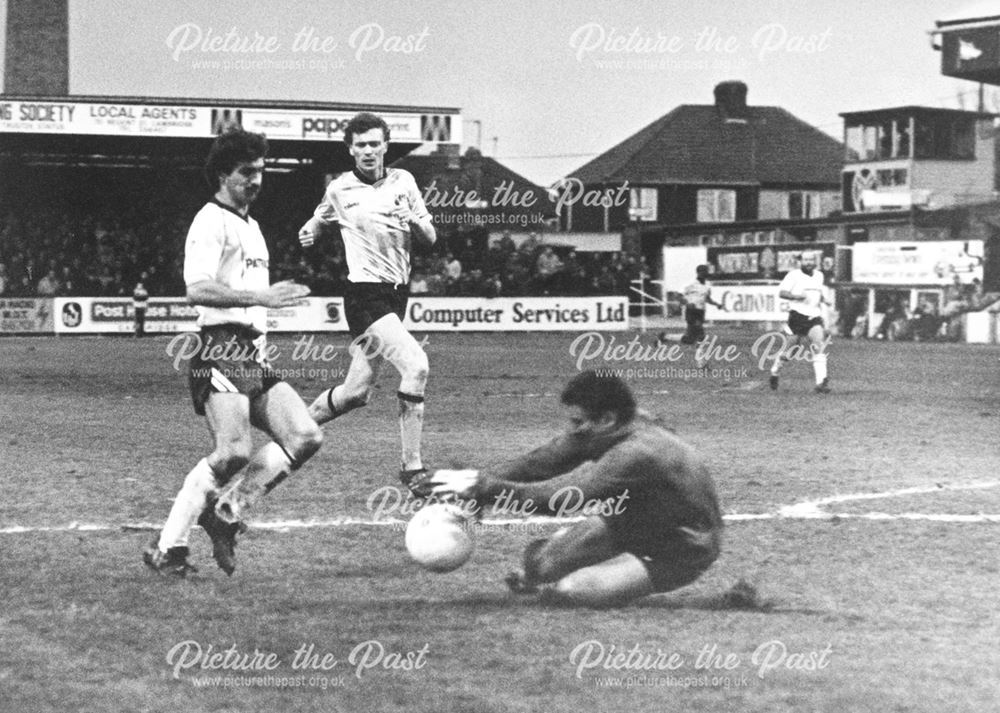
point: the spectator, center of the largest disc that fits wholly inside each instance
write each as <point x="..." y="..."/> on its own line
<point x="547" y="267"/>
<point x="26" y="289"/>
<point x="140" y="299"/>
<point x="493" y="286"/>
<point x="49" y="285"/>
<point x="926" y="322"/>
<point x="418" y="284"/>
<point x="453" y="268"/>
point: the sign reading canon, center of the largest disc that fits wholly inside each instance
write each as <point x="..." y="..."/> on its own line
<point x="747" y="303"/>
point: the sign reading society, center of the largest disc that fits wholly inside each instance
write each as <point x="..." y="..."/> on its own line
<point x="90" y="315"/>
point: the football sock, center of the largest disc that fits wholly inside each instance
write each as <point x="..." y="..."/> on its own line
<point x="819" y="367"/>
<point x="776" y="366"/>
<point x="188" y="504"/>
<point x="270" y="465"/>
<point x="329" y="405"/>
<point x="411" y="428"/>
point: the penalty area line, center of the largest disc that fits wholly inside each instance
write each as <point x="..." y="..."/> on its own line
<point x="513" y="524"/>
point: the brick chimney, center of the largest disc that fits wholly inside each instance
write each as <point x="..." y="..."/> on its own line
<point x="37" y="54"/>
<point x="731" y="101"/>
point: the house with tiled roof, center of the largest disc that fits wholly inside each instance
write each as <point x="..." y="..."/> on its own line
<point x="714" y="163"/>
<point x="471" y="192"/>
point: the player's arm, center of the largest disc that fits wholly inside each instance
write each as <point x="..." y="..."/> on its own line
<point x="608" y="477"/>
<point x="210" y="293"/>
<point x="413" y="213"/>
<point x="558" y="456"/>
<point x="787" y="291"/>
<point x="324" y="216"/>
<point x="202" y="254"/>
<point x="422" y="229"/>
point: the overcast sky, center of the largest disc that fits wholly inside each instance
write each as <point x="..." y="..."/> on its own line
<point x="555" y="82"/>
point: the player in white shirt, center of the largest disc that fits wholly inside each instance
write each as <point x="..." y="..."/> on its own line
<point x="226" y="272"/>
<point x="804" y="289"/>
<point x="696" y="295"/>
<point x="379" y="211"/>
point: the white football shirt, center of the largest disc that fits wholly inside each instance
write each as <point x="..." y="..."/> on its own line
<point x="376" y="243"/>
<point x="225" y="247"/>
<point x="810" y="286"/>
<point x="696" y="294"/>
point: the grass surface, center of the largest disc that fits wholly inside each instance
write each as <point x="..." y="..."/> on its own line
<point x="889" y="614"/>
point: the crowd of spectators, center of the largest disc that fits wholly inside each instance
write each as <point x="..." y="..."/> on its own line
<point x="82" y="250"/>
<point x="56" y="253"/>
<point x="533" y="268"/>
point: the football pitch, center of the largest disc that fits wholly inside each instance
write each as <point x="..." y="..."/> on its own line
<point x="867" y="520"/>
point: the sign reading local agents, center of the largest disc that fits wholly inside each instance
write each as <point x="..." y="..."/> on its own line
<point x="43" y="117"/>
<point x="127" y="119"/>
<point x="936" y="262"/>
<point x="110" y="315"/>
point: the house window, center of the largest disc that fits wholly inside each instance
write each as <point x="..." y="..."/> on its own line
<point x="716" y="205"/>
<point x="642" y="204"/>
<point x="945" y="137"/>
<point x="803" y="204"/>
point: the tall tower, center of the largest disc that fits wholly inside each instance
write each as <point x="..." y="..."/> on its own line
<point x="37" y="55"/>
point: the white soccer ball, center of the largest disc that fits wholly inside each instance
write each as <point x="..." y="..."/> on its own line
<point x="437" y="538"/>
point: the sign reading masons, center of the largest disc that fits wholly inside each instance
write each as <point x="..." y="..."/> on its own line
<point x="765" y="262"/>
<point x="329" y="126"/>
<point x="88" y="315"/>
<point x="128" y="119"/>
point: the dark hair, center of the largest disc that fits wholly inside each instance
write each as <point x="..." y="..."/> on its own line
<point x="600" y="394"/>
<point x="229" y="150"/>
<point x="363" y="122"/>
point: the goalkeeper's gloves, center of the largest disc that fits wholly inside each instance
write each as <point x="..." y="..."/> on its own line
<point x="462" y="484"/>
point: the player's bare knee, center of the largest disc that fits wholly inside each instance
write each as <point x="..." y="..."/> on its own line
<point x="357" y="397"/>
<point x="413" y="376"/>
<point x="304" y="443"/>
<point x="230" y="458"/>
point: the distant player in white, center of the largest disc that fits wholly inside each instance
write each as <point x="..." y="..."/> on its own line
<point x="696" y="295"/>
<point x="232" y="385"/>
<point x="804" y="289"/>
<point x="379" y="212"/>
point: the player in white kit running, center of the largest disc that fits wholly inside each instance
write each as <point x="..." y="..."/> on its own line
<point x="379" y="211"/>
<point x="804" y="289"/>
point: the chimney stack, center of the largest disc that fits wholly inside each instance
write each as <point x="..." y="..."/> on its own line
<point x="731" y="100"/>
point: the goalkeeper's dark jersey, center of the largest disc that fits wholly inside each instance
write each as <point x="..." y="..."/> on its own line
<point x="660" y="496"/>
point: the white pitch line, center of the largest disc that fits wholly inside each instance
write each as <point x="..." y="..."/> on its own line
<point x="806" y="510"/>
<point x="813" y="508"/>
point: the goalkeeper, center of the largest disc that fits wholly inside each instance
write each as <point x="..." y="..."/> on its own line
<point x="664" y="530"/>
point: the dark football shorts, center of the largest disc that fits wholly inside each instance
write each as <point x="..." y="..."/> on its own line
<point x="228" y="362"/>
<point x="800" y="325"/>
<point x="673" y="563"/>
<point x="367" y="302"/>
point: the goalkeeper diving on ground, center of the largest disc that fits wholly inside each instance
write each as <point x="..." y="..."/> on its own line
<point x="664" y="530"/>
